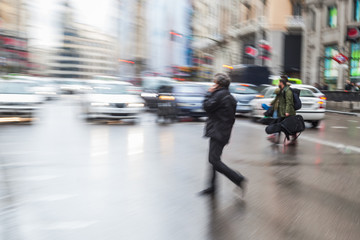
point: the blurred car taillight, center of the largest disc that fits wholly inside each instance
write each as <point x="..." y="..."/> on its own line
<point x="321" y="104"/>
<point x="259" y="96"/>
<point x="323" y="98"/>
<point x="167" y="98"/>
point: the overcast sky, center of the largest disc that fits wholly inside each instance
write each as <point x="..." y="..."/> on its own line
<point x="44" y="17"/>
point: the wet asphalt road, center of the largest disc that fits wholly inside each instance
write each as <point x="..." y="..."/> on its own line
<point x="61" y="178"/>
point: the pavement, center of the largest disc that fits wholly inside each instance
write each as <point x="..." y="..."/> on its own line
<point x="62" y="178"/>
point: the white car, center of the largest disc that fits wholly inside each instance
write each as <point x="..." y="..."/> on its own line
<point x="312" y="110"/>
<point x="316" y="91"/>
<point x="112" y="100"/>
<point x="72" y="86"/>
<point x="18" y="101"/>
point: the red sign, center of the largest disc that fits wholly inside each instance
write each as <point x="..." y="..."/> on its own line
<point x="353" y="33"/>
<point x="251" y="51"/>
<point x="340" y="58"/>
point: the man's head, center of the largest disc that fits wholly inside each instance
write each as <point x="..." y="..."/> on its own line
<point x="284" y="77"/>
<point x="222" y="80"/>
<point x="283" y="81"/>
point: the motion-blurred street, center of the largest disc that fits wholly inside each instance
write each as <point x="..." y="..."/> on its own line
<point x="64" y="178"/>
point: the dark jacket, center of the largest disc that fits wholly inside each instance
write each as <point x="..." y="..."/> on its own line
<point x="220" y="107"/>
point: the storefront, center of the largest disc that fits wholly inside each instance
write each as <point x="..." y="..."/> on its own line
<point x="13" y="54"/>
<point x="331" y="67"/>
<point x="355" y="62"/>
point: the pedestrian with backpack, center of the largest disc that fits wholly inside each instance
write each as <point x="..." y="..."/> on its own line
<point x="285" y="107"/>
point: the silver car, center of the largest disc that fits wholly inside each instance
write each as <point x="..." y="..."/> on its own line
<point x="112" y="100"/>
<point x="18" y="101"/>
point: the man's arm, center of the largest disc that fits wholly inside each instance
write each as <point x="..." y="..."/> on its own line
<point x="289" y="102"/>
<point x="211" y="102"/>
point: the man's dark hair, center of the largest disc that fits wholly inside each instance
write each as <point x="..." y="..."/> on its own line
<point x="285" y="78"/>
<point x="283" y="81"/>
<point x="222" y="79"/>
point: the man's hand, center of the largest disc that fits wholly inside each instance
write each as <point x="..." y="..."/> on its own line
<point x="287" y="114"/>
<point x="213" y="88"/>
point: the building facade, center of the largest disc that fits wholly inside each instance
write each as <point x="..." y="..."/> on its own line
<point x="328" y="33"/>
<point x="84" y="51"/>
<point x="13" y="37"/>
<point x="169" y="35"/>
<point x="260" y="32"/>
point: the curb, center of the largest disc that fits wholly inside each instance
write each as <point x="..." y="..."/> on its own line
<point x="345" y="113"/>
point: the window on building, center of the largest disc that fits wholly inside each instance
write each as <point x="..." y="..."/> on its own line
<point x="330" y="65"/>
<point x="312" y="20"/>
<point x="355" y="61"/>
<point x="296" y="9"/>
<point x="357" y="10"/>
<point x="248" y="11"/>
<point x="332" y="16"/>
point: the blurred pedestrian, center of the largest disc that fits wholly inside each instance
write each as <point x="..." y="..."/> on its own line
<point x="348" y="85"/>
<point x="354" y="87"/>
<point x="318" y="86"/>
<point x="325" y="87"/>
<point x="220" y="107"/>
<point x="275" y="105"/>
<point x="285" y="106"/>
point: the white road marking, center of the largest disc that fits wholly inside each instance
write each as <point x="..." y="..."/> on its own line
<point x="339" y="127"/>
<point x="340" y="146"/>
<point x="353" y="121"/>
<point x="22" y="164"/>
<point x="35" y="178"/>
<point x="52" y="198"/>
<point x="95" y="154"/>
<point x="68" y="225"/>
<point x="17" y="153"/>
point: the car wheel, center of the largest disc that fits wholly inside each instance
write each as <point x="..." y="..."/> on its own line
<point x="314" y="124"/>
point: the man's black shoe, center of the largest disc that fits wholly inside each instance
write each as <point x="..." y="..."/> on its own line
<point x="243" y="187"/>
<point x="208" y="191"/>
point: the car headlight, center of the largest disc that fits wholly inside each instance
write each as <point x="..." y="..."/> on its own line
<point x="184" y="104"/>
<point x="136" y="105"/>
<point x="99" y="104"/>
<point x="45" y="93"/>
<point x="152" y="95"/>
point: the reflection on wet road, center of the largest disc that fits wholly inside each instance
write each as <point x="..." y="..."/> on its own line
<point x="62" y="178"/>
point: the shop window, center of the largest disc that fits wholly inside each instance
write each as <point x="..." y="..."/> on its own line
<point x="357" y="10"/>
<point x="330" y="65"/>
<point x="355" y="61"/>
<point x="332" y="16"/>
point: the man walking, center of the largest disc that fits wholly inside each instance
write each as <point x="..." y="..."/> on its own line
<point x="220" y="107"/>
<point x="285" y="107"/>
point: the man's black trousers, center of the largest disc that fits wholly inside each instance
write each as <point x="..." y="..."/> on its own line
<point x="215" y="151"/>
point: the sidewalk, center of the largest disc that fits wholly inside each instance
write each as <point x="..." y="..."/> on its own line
<point x="344" y="107"/>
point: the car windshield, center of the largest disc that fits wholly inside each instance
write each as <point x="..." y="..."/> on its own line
<point x="306" y="93"/>
<point x="269" y="93"/>
<point x="314" y="90"/>
<point x="73" y="83"/>
<point x="16" y="88"/>
<point x="241" y="89"/>
<point x="189" y="90"/>
<point x="154" y="83"/>
<point x="111" y="89"/>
